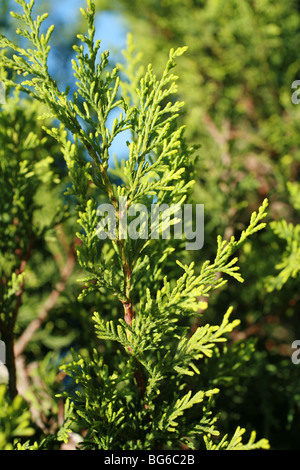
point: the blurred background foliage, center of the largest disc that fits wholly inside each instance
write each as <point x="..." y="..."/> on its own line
<point x="235" y="80"/>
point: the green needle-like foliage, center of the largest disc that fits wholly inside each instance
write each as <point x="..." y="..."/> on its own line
<point x="14" y="420"/>
<point x="147" y="395"/>
<point x="289" y="265"/>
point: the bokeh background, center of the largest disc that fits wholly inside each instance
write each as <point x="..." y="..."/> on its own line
<point x="236" y="81"/>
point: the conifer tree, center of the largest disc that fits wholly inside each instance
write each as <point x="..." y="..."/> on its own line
<point x="237" y="81"/>
<point x="139" y="388"/>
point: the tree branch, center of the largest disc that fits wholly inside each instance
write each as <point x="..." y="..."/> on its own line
<point x="48" y="305"/>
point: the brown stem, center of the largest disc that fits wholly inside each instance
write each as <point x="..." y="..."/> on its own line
<point x="8" y="338"/>
<point x="129" y="314"/>
<point x="128" y="317"/>
<point x="140" y="381"/>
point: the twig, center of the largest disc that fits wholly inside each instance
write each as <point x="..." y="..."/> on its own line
<point x="221" y="138"/>
<point x="50" y="302"/>
<point x="8" y="332"/>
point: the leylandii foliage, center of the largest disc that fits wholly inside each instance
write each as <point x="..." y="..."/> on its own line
<point x="142" y="388"/>
<point x="289" y="265"/>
